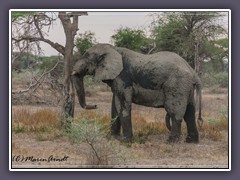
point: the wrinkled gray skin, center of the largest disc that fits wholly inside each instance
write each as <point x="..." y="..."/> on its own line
<point x="160" y="80"/>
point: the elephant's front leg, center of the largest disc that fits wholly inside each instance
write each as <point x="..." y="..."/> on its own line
<point x="115" y="122"/>
<point x="123" y="103"/>
<point x="175" y="130"/>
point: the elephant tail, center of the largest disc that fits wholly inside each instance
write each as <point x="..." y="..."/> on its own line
<point x="199" y="94"/>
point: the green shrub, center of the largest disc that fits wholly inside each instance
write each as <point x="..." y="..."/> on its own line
<point x="220" y="79"/>
<point x="86" y="130"/>
<point x="88" y="81"/>
<point x="93" y="132"/>
<point x="85" y="41"/>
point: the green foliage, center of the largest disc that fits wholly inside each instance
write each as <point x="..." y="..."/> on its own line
<point x="129" y="38"/>
<point x="28" y="60"/>
<point x="19" y="129"/>
<point x="181" y="31"/>
<point x="24" y="61"/>
<point x="222" y="79"/>
<point x="218" y="54"/>
<point x="169" y="35"/>
<point x="84" y="41"/>
<point x="47" y="62"/>
<point x="85" y="130"/>
<point x="88" y="81"/>
<point x="213" y="79"/>
<point x="224" y="114"/>
<point x="21" y="14"/>
<point x="93" y="132"/>
<point x="222" y="42"/>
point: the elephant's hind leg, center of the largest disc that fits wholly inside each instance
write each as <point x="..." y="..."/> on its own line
<point x="192" y="131"/>
<point x="175" y="130"/>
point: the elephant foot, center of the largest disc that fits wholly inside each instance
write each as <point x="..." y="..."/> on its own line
<point x="126" y="139"/>
<point x="114" y="137"/>
<point x="173" y="139"/>
<point x="192" y="139"/>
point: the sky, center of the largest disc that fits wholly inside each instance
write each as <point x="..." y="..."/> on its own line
<point x="104" y="25"/>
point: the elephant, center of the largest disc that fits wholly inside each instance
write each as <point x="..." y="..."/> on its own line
<point x="159" y="80"/>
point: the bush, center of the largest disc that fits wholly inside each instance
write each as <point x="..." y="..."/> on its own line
<point x="93" y="132"/>
<point x="219" y="79"/>
<point x="129" y="38"/>
<point x="22" y="77"/>
<point x="85" y="41"/>
<point x="222" y="79"/>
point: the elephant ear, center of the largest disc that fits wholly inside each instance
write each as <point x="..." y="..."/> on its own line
<point x="109" y="64"/>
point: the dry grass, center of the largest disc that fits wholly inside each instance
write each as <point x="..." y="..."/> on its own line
<point x="43" y="123"/>
<point x="216" y="90"/>
<point x="26" y="120"/>
<point x="141" y="128"/>
<point x="214" y="129"/>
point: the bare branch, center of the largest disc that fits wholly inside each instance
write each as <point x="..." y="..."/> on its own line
<point x="37" y="26"/>
<point x="56" y="46"/>
<point x="154" y="46"/>
<point x="38" y="81"/>
<point x="31" y="29"/>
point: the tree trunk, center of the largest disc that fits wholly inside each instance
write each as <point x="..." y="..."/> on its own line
<point x="197" y="59"/>
<point x="70" y="29"/>
<point x="68" y="92"/>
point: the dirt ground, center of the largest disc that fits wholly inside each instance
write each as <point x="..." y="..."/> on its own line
<point x="154" y="153"/>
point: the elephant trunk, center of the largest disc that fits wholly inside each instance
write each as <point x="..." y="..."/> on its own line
<point x="79" y="86"/>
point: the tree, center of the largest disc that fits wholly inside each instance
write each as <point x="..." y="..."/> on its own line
<point x="84" y="41"/>
<point x="218" y="54"/>
<point x="31" y="28"/>
<point x="134" y="39"/>
<point x="187" y="33"/>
